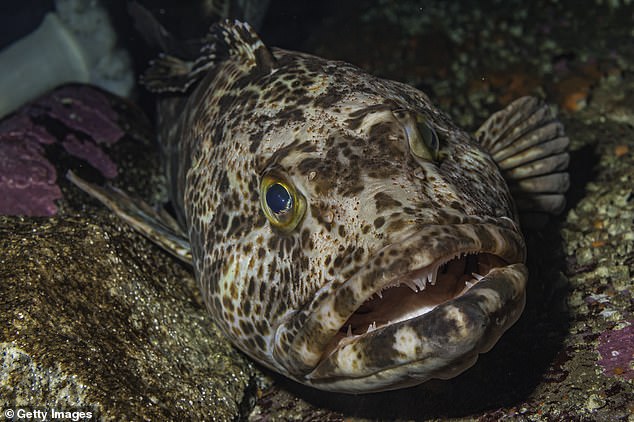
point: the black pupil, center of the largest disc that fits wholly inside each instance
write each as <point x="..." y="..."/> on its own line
<point x="278" y="198"/>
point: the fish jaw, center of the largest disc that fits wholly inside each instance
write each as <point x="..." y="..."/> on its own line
<point x="439" y="344"/>
<point x="411" y="313"/>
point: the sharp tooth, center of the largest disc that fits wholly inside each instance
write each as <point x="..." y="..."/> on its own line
<point x="411" y="285"/>
<point x="420" y="283"/>
<point x="371" y="327"/>
<point x="477" y="276"/>
<point x="349" y="333"/>
<point x="380" y="294"/>
<point x="469" y="284"/>
<point x="434" y="274"/>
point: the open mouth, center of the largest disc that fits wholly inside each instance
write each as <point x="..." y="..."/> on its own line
<point x="416" y="293"/>
<point x="421" y="308"/>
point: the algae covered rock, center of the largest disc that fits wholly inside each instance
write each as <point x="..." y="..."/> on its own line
<point x="96" y="319"/>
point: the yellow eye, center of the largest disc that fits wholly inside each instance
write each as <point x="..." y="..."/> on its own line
<point x="282" y="204"/>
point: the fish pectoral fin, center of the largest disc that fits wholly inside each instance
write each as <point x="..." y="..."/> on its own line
<point x="157" y="226"/>
<point x="529" y="145"/>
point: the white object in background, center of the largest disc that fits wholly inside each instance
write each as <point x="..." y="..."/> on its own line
<point x="75" y="44"/>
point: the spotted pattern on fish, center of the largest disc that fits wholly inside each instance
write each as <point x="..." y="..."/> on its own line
<point x="396" y="198"/>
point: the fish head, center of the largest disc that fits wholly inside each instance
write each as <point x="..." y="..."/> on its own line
<point x="351" y="237"/>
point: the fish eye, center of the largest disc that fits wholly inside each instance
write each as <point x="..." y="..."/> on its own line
<point x="421" y="136"/>
<point x="279" y="199"/>
<point x="283" y="206"/>
<point x="425" y="144"/>
<point x="429" y="137"/>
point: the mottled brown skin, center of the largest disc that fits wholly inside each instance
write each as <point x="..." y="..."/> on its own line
<point x="374" y="212"/>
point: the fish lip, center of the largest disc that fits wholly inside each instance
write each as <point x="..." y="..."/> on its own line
<point x="498" y="299"/>
<point x="302" y="340"/>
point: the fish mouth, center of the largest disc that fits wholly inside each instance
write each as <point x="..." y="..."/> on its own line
<point x="416" y="293"/>
<point x="422" y="308"/>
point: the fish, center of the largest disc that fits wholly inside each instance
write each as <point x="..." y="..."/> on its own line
<point x="344" y="232"/>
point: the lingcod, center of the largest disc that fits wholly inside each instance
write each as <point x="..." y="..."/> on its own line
<point x="343" y="230"/>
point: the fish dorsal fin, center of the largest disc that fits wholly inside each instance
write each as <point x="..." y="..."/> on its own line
<point x="239" y="40"/>
<point x="226" y="40"/>
<point x="528" y="144"/>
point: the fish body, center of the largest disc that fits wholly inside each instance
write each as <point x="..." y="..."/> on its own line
<point x="343" y="230"/>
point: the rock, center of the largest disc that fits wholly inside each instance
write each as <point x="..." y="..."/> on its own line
<point x="97" y="319"/>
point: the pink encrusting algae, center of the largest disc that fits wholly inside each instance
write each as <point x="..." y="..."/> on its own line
<point x="78" y="117"/>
